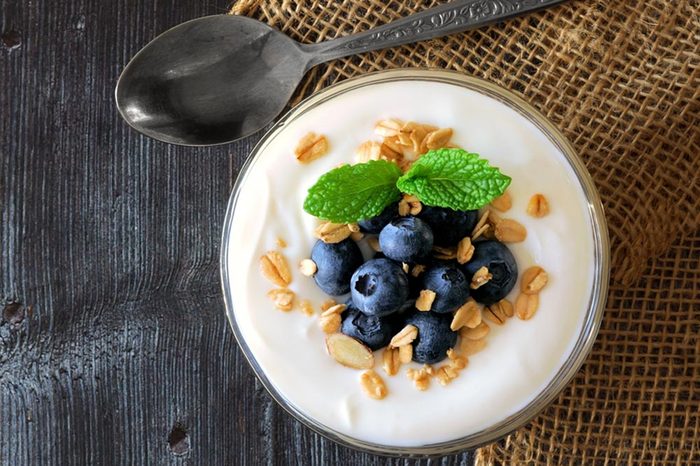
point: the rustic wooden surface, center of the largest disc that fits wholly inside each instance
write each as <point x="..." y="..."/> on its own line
<point x="114" y="348"/>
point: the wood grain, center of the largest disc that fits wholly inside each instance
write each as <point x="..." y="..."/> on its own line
<point x="116" y="349"/>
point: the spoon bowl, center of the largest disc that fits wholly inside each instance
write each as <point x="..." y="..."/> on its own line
<point x="210" y="81"/>
<point x="219" y="78"/>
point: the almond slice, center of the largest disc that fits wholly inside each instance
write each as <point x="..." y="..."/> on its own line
<point x="480" y="278"/>
<point x="526" y="305"/>
<point x="311" y="147"/>
<point x="439" y="138"/>
<point x="404" y="337"/>
<point x="470" y="347"/>
<point x="274" y="267"/>
<point x="533" y="280"/>
<point x="330" y="323"/>
<point x="425" y="300"/>
<point x="502" y="202"/>
<point x="349" y="352"/>
<point x="417" y="270"/>
<point x="465" y="250"/>
<point x="306" y="307"/>
<point x="538" y="206"/>
<point x="334" y="309"/>
<point x="469" y="315"/>
<point x="373" y="385"/>
<point x="283" y="298"/>
<point x="405" y="354"/>
<point x="390" y="361"/>
<point x="330" y="232"/>
<point x="477" y="333"/>
<point x="368" y="150"/>
<point x="510" y="231"/>
<point x="388" y="128"/>
<point x="495" y="314"/>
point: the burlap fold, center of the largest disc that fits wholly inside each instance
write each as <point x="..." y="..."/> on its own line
<point x="620" y="79"/>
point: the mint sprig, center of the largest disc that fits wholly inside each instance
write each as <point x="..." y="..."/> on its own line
<point x="453" y="178"/>
<point x="351" y="193"/>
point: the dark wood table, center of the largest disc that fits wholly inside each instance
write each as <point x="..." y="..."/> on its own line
<point x="114" y="347"/>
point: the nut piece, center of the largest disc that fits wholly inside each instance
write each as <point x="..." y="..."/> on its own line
<point x="438" y="139"/>
<point x="369" y="150"/>
<point x="482" y="225"/>
<point x="506" y="307"/>
<point x="391" y="361"/>
<point x="425" y="300"/>
<point x="457" y="361"/>
<point x="283" y="298"/>
<point x="306" y="307"/>
<point x="388" y="128"/>
<point x="405" y="353"/>
<point x="404" y="337"/>
<point x="373" y="385"/>
<point x="526" y="305"/>
<point x="533" y="280"/>
<point x="502" y="202"/>
<point x="327" y="304"/>
<point x="477" y="333"/>
<point x="357" y="235"/>
<point x="495" y="314"/>
<point x="469" y="347"/>
<point x="409" y="205"/>
<point x="417" y="270"/>
<point x="311" y="147"/>
<point x="307" y="267"/>
<point x="348" y="351"/>
<point x="510" y="231"/>
<point x="274" y="267"/>
<point x="480" y="278"/>
<point x="330" y="232"/>
<point x="444" y="253"/>
<point x="465" y="250"/>
<point x="405" y="267"/>
<point x="330" y="323"/>
<point x="421" y="377"/>
<point x="468" y="315"/>
<point x="334" y="309"/>
<point x="446" y="374"/>
<point x="538" y="206"/>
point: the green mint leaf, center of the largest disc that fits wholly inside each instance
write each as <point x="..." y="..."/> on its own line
<point x="453" y="178"/>
<point x="351" y="193"/>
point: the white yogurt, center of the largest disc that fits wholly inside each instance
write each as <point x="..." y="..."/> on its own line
<point x="521" y="356"/>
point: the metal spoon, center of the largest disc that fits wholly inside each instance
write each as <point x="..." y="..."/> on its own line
<point x="219" y="78"/>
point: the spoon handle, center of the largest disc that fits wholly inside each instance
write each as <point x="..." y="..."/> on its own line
<point x="456" y="16"/>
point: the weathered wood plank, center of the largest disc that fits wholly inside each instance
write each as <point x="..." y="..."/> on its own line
<point x="119" y="352"/>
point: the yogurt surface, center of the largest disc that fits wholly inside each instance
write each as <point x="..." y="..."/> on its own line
<point x="520" y="358"/>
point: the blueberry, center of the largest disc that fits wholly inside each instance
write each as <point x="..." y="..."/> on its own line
<point x="406" y="239"/>
<point x="434" y="336"/>
<point x="373" y="331"/>
<point x="496" y="257"/>
<point x="450" y="285"/>
<point x="375" y="224"/>
<point x="335" y="263"/>
<point x="449" y="226"/>
<point x="379" y="287"/>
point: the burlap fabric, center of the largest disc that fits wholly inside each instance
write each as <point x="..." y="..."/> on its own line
<point x="620" y="78"/>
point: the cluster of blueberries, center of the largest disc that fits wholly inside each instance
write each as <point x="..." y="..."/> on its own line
<point x="382" y="296"/>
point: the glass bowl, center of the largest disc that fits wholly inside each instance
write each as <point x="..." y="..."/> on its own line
<point x="598" y="293"/>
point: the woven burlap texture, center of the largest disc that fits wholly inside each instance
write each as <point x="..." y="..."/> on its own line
<point x="621" y="79"/>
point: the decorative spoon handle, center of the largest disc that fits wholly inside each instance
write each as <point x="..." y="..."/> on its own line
<point x="456" y="16"/>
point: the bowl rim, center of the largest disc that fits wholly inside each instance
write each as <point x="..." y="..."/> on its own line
<point x="597" y="299"/>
